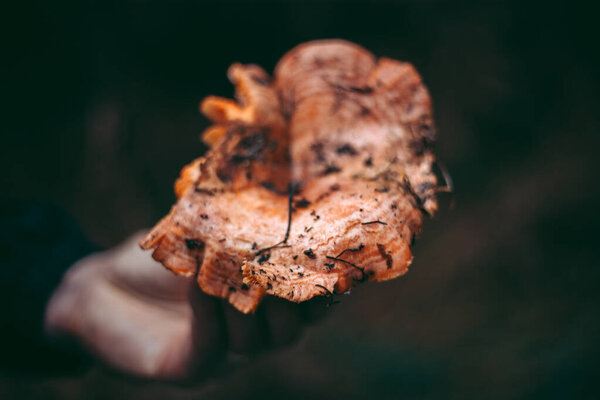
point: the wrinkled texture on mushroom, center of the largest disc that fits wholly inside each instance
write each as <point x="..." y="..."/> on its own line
<point x="315" y="182"/>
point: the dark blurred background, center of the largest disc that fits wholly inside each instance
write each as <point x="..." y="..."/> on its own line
<point x="100" y="113"/>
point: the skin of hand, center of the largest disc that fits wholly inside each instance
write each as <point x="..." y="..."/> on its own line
<point x="142" y="320"/>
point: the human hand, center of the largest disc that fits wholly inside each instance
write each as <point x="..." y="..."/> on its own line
<point x="140" y="319"/>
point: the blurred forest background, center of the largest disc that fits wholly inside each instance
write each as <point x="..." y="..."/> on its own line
<point x="100" y="113"/>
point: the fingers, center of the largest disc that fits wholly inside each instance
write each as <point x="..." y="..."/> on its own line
<point x="246" y="333"/>
<point x="283" y="320"/>
<point x="209" y="340"/>
<point x="275" y="324"/>
<point x="218" y="327"/>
